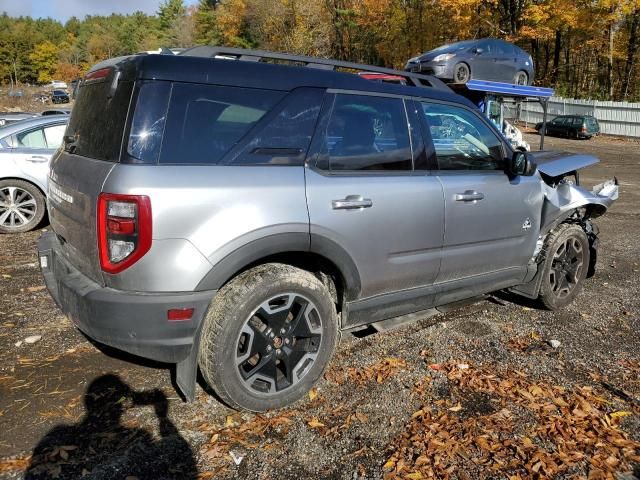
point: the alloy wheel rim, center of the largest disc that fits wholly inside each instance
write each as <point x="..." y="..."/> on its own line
<point x="521" y="79"/>
<point x="17" y="207"/>
<point x="278" y="343"/>
<point x="461" y="73"/>
<point x="566" y="267"/>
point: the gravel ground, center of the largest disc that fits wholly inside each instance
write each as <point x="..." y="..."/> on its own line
<point x="90" y="411"/>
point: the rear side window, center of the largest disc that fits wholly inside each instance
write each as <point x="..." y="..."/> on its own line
<point x="98" y="120"/>
<point x="367" y="133"/>
<point x="204" y="122"/>
<point x="283" y="136"/>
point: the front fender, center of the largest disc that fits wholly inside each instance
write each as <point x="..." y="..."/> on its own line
<point x="561" y="201"/>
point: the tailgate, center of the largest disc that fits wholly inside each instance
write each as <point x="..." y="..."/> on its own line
<point x="74" y="185"/>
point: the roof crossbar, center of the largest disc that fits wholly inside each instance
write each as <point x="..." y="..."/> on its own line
<point x="213" y="51"/>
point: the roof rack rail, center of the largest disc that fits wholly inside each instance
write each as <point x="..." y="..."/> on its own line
<point x="213" y="51"/>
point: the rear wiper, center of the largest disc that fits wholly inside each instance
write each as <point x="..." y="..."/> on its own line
<point x="70" y="143"/>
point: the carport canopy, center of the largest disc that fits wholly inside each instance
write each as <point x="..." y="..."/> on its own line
<point x="523" y="93"/>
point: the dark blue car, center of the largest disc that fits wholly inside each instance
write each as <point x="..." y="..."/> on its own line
<point x="484" y="59"/>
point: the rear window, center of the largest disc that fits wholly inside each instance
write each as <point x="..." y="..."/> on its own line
<point x="204" y="122"/>
<point x="98" y="120"/>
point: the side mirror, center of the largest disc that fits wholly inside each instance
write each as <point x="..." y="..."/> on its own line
<point x="521" y="164"/>
<point x="478" y="50"/>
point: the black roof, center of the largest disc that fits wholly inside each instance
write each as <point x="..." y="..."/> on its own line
<point x="272" y="76"/>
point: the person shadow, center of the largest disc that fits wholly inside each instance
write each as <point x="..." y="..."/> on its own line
<point x="100" y="446"/>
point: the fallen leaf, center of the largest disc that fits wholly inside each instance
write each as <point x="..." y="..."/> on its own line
<point x="535" y="336"/>
<point x="414" y="476"/>
<point x="315" y="423"/>
<point x="389" y="465"/>
<point x="313" y="393"/>
<point x="620" y="414"/>
<point x="457" y="408"/>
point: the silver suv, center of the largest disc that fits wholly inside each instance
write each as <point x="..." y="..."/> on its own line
<point x="220" y="212"/>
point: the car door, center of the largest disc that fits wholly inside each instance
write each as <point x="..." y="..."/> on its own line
<point x="491" y="220"/>
<point x="481" y="61"/>
<point x="33" y="148"/>
<point x="506" y="61"/>
<point x="365" y="197"/>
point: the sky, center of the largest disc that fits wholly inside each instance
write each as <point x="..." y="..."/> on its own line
<point x="62" y="10"/>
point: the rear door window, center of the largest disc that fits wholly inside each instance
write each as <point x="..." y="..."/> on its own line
<point x="204" y="121"/>
<point x="367" y="133"/>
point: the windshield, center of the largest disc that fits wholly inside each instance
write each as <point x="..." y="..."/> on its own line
<point x="452" y="47"/>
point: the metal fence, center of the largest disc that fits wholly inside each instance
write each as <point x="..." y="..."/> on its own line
<point x="615" y="118"/>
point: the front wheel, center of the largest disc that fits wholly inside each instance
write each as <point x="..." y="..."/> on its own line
<point x="461" y="73"/>
<point x="565" y="266"/>
<point x="268" y="336"/>
<point x="22" y="206"/>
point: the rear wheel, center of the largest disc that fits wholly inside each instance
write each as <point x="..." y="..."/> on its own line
<point x="22" y="206"/>
<point x="521" y="78"/>
<point x="565" y="266"/>
<point x="267" y="337"/>
<point x="461" y="73"/>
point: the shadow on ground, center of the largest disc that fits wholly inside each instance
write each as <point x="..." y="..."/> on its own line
<point x="102" y="446"/>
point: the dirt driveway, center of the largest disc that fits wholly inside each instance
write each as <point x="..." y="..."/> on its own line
<point x="474" y="393"/>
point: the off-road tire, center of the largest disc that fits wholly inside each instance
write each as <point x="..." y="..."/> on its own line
<point x="549" y="298"/>
<point x="228" y="314"/>
<point x="40" y="206"/>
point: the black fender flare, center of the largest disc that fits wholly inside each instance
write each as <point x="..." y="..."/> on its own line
<point x="282" y="243"/>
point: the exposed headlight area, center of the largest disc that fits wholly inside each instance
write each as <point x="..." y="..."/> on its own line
<point x="443" y="57"/>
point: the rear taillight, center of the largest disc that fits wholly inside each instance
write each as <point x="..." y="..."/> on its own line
<point x="583" y="129"/>
<point x="124" y="230"/>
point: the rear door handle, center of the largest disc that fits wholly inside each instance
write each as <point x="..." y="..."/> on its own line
<point x="352" y="202"/>
<point x="469" y="196"/>
<point x="37" y="159"/>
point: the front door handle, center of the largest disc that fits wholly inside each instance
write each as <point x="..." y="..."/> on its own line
<point x="469" y="196"/>
<point x="37" y="159"/>
<point x="352" y="202"/>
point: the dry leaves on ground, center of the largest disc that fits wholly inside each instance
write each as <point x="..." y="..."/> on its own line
<point x="240" y="434"/>
<point x="379" y="371"/>
<point x="528" y="430"/>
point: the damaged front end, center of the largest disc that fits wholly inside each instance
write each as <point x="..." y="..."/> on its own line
<point x="565" y="201"/>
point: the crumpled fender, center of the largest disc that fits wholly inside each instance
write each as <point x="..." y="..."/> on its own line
<point x="562" y="200"/>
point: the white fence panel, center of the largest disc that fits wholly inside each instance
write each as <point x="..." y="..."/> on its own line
<point x="615" y="118"/>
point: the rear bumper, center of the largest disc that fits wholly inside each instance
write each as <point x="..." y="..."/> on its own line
<point x="129" y="321"/>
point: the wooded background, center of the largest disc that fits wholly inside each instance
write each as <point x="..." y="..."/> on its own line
<point x="583" y="48"/>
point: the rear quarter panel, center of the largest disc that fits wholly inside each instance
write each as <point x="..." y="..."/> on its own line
<point x="203" y="213"/>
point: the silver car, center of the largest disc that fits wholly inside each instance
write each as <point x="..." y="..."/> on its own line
<point x="26" y="148"/>
<point x="233" y="216"/>
<point x="483" y="59"/>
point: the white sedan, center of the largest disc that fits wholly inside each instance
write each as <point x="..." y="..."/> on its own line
<point x="26" y="148"/>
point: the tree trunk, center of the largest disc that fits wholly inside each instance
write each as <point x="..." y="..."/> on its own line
<point x="632" y="48"/>
<point x="556" y="58"/>
<point x="610" y="62"/>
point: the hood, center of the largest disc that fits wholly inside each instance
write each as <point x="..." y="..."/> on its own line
<point x="555" y="164"/>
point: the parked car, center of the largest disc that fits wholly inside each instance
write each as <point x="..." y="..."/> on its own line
<point x="572" y="126"/>
<point x="311" y="202"/>
<point x="485" y="59"/>
<point x="25" y="151"/>
<point x="57" y="84"/>
<point x="59" y="96"/>
<point x="56" y="111"/>
<point x="7" y="118"/>
<point x="15" y="94"/>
